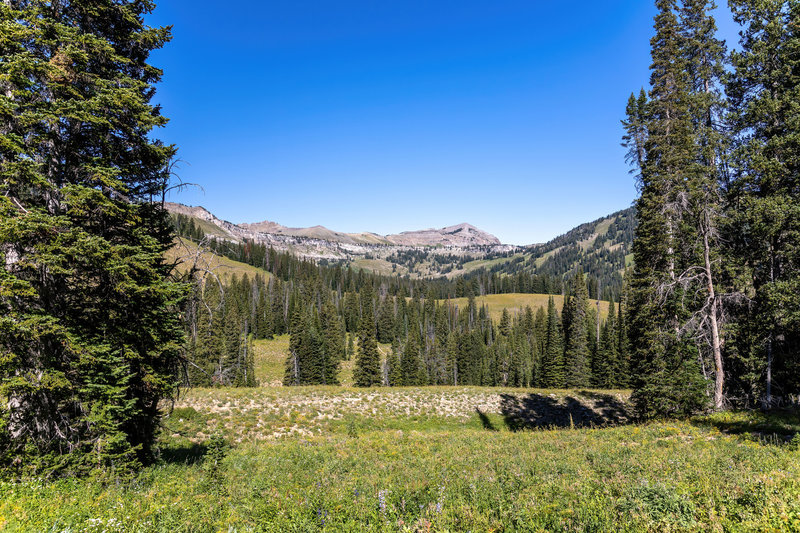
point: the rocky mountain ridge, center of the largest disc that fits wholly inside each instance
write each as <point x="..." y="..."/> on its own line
<point x="459" y="235"/>
<point x="422" y="253"/>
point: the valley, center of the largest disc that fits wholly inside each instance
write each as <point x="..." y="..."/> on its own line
<point x="602" y="248"/>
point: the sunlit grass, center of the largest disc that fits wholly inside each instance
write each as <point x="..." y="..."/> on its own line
<point x="419" y="473"/>
<point x="516" y="303"/>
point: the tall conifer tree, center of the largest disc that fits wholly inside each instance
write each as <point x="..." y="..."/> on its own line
<point x="89" y="326"/>
<point x="764" y="195"/>
<point x="553" y="358"/>
<point x="667" y="379"/>
<point x="576" y="333"/>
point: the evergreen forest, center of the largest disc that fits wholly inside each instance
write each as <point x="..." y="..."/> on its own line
<point x="164" y="370"/>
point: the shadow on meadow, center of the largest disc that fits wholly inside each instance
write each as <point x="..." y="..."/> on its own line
<point x="538" y="411"/>
<point x="184" y="454"/>
<point x="777" y="427"/>
<point x="486" y="422"/>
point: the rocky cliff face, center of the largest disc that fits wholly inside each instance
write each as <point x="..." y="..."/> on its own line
<point x="460" y="235"/>
<point x="424" y="253"/>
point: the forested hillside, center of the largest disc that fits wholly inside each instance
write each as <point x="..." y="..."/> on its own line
<point x="602" y="249"/>
<point x="164" y="370"/>
<point x="434" y="340"/>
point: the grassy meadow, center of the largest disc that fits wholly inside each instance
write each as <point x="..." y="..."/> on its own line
<point x="280" y="459"/>
<point x="517" y="302"/>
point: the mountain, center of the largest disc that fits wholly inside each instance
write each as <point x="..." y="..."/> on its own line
<point x="422" y="253"/>
<point x="460" y="235"/>
<point x="602" y="248"/>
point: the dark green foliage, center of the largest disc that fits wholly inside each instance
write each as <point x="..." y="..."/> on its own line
<point x="386" y="325"/>
<point x="186" y="227"/>
<point x="221" y="322"/>
<point x="394" y="375"/>
<point x="367" y="372"/>
<point x="575" y="317"/>
<point x="90" y="333"/>
<point x="667" y="378"/>
<point x="605" y="361"/>
<point x="764" y="199"/>
<point x="411" y="369"/>
<point x="553" y="357"/>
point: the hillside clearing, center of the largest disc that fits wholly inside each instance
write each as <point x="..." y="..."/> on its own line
<point x="516" y="303"/>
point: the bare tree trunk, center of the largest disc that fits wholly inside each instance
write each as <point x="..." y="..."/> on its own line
<point x="768" y="400"/>
<point x="769" y="373"/>
<point x="719" y="377"/>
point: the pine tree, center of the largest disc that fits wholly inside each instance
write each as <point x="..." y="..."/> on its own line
<point x="667" y="379"/>
<point x="89" y="321"/>
<point x="576" y="334"/>
<point x="606" y="363"/>
<point x="333" y="348"/>
<point x="704" y="65"/>
<point x="386" y="324"/>
<point x="410" y="363"/>
<point x="540" y="347"/>
<point x="553" y="358"/>
<point x="393" y="371"/>
<point x="764" y="196"/>
<point x="367" y="372"/>
<point x="292" y="375"/>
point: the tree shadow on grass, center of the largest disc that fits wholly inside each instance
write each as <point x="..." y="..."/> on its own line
<point x="186" y="454"/>
<point x="776" y="427"/>
<point x="485" y="421"/>
<point x="533" y="411"/>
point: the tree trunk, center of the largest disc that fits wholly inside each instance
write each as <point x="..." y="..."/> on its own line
<point x="719" y="377"/>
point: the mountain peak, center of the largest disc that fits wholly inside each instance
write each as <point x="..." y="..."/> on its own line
<point x="459" y="235"/>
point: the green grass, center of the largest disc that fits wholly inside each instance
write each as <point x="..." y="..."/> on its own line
<point x="209" y="228"/>
<point x="432" y="459"/>
<point x="378" y="266"/>
<point x="628" y="260"/>
<point x="465" y="469"/>
<point x="270" y="361"/>
<point x="482" y="263"/>
<point x="516" y="303"/>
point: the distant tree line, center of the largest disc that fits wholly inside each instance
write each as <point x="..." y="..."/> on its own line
<point x="426" y="341"/>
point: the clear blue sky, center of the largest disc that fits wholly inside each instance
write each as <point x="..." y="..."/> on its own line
<point x="392" y="116"/>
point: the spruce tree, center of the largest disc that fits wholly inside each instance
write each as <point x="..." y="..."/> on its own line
<point x="393" y="371"/>
<point x="606" y="362"/>
<point x="90" y="334"/>
<point x="667" y="379"/>
<point x="764" y="196"/>
<point x="410" y="363"/>
<point x="333" y="348"/>
<point x="553" y="357"/>
<point x="367" y="372"/>
<point x="576" y="334"/>
<point x="700" y="243"/>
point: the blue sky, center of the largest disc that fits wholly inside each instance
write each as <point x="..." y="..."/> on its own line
<point x="393" y="116"/>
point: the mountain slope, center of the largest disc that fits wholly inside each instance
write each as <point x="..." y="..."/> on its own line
<point x="460" y="235"/>
<point x="602" y="248"/>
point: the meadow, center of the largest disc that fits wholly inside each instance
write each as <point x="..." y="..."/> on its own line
<point x="432" y="459"/>
<point x="516" y="303"/>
